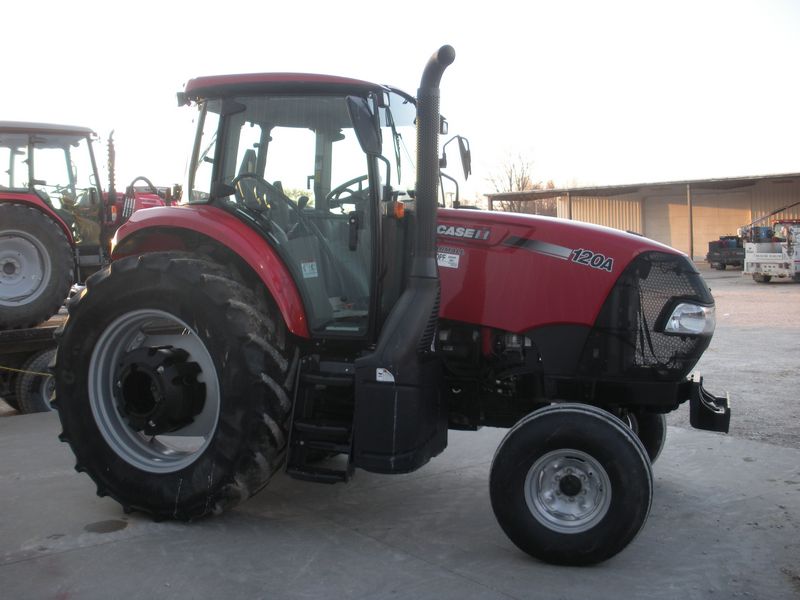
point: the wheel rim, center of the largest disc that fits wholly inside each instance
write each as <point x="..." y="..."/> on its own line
<point x="161" y="452"/>
<point x="47" y="391"/>
<point x="568" y="491"/>
<point x="25" y="268"/>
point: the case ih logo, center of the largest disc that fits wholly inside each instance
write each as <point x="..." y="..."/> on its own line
<point x="459" y="231"/>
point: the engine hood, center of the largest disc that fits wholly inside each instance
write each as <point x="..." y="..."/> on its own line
<point x="516" y="272"/>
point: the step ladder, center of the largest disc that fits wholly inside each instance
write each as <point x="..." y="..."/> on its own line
<point x="316" y="433"/>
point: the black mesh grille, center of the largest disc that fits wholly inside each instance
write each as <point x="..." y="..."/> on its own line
<point x="625" y="341"/>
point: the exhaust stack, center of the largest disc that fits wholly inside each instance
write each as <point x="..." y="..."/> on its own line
<point x="400" y="416"/>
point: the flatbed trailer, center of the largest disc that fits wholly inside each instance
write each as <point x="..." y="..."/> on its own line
<point x="25" y="382"/>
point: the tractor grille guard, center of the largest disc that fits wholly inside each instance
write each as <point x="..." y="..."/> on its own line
<point x="628" y="341"/>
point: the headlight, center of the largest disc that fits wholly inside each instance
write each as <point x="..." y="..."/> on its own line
<point x="691" y="319"/>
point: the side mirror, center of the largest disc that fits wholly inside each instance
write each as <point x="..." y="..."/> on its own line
<point x="464" y="152"/>
<point x="365" y="125"/>
<point x="466" y="156"/>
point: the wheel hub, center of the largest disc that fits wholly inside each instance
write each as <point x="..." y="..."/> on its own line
<point x="157" y="390"/>
<point x="568" y="491"/>
<point x="24" y="267"/>
<point x="10" y="267"/>
<point x="570" y="485"/>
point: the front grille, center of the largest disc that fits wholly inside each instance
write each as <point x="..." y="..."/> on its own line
<point x="625" y="341"/>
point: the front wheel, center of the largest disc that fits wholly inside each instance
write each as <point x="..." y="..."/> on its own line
<point x="35" y="385"/>
<point x="172" y="383"/>
<point x="571" y="484"/>
<point x="651" y="428"/>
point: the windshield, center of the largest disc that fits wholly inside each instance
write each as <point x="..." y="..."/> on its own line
<point x="398" y="128"/>
<point x="59" y="168"/>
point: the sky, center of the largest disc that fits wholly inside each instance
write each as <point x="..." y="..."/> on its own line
<point x="587" y="93"/>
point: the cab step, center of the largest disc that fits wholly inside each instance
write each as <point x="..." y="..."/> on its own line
<point x="318" y="431"/>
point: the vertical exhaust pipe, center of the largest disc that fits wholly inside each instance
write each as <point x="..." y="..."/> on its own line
<point x="427" y="192"/>
<point x="400" y="417"/>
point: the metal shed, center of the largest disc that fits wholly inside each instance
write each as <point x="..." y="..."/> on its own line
<point x="683" y="214"/>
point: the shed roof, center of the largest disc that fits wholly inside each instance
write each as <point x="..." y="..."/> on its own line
<point x="726" y="183"/>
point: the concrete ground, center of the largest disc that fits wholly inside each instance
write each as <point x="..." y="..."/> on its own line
<point x="725" y="521"/>
<point x="725" y="524"/>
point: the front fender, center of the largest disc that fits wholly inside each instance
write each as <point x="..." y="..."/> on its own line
<point x="159" y="229"/>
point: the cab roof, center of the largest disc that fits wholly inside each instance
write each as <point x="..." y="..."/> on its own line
<point x="280" y="83"/>
<point x="43" y="128"/>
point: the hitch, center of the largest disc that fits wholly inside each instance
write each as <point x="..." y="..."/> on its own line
<point x="706" y="411"/>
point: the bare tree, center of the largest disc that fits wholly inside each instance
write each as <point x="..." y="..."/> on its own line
<point x="516" y="175"/>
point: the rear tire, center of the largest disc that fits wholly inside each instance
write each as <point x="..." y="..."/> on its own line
<point x="36" y="266"/>
<point x="571" y="484"/>
<point x="36" y="387"/>
<point x="236" y="378"/>
<point x="759" y="278"/>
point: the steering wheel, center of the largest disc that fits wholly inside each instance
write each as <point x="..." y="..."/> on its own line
<point x="352" y="191"/>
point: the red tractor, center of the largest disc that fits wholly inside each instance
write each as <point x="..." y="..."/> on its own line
<point x="312" y="307"/>
<point x="55" y="221"/>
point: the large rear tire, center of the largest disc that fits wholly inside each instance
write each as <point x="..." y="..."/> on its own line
<point x="36" y="266"/>
<point x="172" y="384"/>
<point x="759" y="278"/>
<point x="571" y="484"/>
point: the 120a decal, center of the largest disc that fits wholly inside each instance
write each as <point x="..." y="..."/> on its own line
<point x="592" y="259"/>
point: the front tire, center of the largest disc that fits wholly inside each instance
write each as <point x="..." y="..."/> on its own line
<point x="35" y="386"/>
<point x="36" y="266"/>
<point x="172" y="384"/>
<point x="571" y="484"/>
<point x="650" y="428"/>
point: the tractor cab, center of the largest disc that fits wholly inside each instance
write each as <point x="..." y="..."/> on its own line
<point x="56" y="166"/>
<point x="321" y="168"/>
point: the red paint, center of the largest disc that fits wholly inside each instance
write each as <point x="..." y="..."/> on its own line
<point x="218" y="85"/>
<point x="36" y="202"/>
<point x="228" y="231"/>
<point x="516" y="289"/>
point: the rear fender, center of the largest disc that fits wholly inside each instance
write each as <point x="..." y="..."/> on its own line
<point x="34" y="201"/>
<point x="170" y="228"/>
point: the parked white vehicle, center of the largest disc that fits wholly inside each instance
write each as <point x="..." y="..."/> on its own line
<point x="775" y="255"/>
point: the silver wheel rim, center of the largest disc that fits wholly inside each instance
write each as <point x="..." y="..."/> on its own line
<point x="568" y="491"/>
<point x="159" y="453"/>
<point x="25" y="268"/>
<point x="47" y="391"/>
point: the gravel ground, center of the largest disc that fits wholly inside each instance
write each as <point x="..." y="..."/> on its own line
<point x="755" y="356"/>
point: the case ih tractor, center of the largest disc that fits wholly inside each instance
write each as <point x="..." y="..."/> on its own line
<point x="55" y="221"/>
<point x="292" y="313"/>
